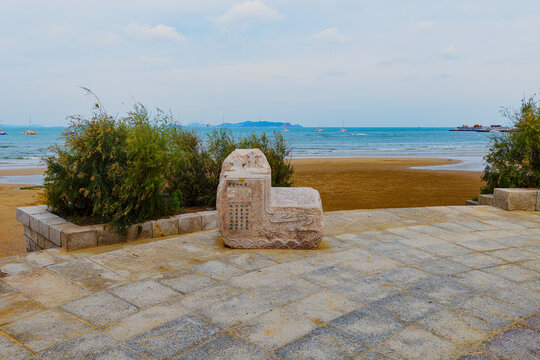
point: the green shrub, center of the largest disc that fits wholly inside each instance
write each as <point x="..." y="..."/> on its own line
<point x="513" y="160"/>
<point x="129" y="170"/>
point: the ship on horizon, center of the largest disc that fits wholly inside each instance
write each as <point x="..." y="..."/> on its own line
<point x="481" y="128"/>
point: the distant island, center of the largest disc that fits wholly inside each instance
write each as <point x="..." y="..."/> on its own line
<point x="261" y="124"/>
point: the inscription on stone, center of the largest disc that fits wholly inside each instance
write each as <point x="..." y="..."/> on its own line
<point x="253" y="214"/>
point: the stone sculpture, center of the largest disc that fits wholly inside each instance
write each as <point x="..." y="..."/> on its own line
<point x="253" y="214"/>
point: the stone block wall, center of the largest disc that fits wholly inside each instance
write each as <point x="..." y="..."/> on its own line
<point x="45" y="230"/>
<point x="513" y="199"/>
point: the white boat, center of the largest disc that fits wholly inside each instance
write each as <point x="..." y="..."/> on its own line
<point x="342" y="127"/>
<point x="319" y="130"/>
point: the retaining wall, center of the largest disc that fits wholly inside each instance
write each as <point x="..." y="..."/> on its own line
<point x="45" y="230"/>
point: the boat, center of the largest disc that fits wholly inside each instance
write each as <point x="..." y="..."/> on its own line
<point x="3" y="132"/>
<point x="319" y="130"/>
<point x="285" y="130"/>
<point x="342" y="127"/>
<point x="29" y="132"/>
<point x="481" y="128"/>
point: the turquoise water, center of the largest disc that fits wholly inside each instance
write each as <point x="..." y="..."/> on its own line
<point x="18" y="150"/>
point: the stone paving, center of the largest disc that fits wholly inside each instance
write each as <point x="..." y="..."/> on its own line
<point x="416" y="283"/>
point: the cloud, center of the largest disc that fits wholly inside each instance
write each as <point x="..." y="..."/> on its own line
<point x="247" y="13"/>
<point x="332" y="34"/>
<point x="159" y="32"/>
<point x="424" y="25"/>
<point x="155" y="60"/>
<point x="449" y="52"/>
<point x="108" y="39"/>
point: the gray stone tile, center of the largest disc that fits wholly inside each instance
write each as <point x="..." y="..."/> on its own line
<point x="481" y="244"/>
<point x="516" y="343"/>
<point x="443" y="291"/>
<point x="367" y="325"/>
<point x="373" y="355"/>
<point x="519" y="296"/>
<point x="514" y="272"/>
<point x="480" y="281"/>
<point x="286" y="290"/>
<point x="323" y="306"/>
<point x="490" y="310"/>
<point x="144" y="293"/>
<point x="459" y="328"/>
<point x="533" y="265"/>
<point x="416" y="343"/>
<point x="118" y="353"/>
<point x="366" y="291"/>
<point x="88" y="274"/>
<point x="476" y="356"/>
<point x="16" y="306"/>
<point x="403" y="277"/>
<point x="332" y="275"/>
<point x="401" y="252"/>
<point x="367" y="263"/>
<point x="82" y="347"/>
<point x="446" y="249"/>
<point x="145" y="320"/>
<point x="407" y="307"/>
<point x="513" y="255"/>
<point x="5" y="290"/>
<point x="100" y="308"/>
<point x="477" y="260"/>
<point x="46" y="329"/>
<point x="207" y="298"/>
<point x="225" y="347"/>
<point x="533" y="321"/>
<point x="248" y="261"/>
<point x="274" y="329"/>
<point x="186" y="281"/>
<point x="218" y="270"/>
<point x="233" y="310"/>
<point x="173" y="338"/>
<point x="11" y="350"/>
<point x="442" y="267"/>
<point x="321" y="343"/>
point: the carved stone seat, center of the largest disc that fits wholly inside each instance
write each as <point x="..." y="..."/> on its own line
<point x="253" y="214"/>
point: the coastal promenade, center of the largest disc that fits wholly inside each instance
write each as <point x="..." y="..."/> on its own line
<point x="411" y="283"/>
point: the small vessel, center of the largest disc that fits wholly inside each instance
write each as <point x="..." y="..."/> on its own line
<point x="3" y="132"/>
<point x="285" y="130"/>
<point x="319" y="130"/>
<point x="342" y="127"/>
<point x="29" y="132"/>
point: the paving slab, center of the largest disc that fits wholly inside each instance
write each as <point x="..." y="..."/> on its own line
<point x="173" y="338"/>
<point x="46" y="329"/>
<point x="417" y="283"/>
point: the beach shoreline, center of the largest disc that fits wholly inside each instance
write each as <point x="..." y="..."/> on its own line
<point x="344" y="184"/>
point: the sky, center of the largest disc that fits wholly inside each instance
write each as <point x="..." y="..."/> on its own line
<point x="313" y="63"/>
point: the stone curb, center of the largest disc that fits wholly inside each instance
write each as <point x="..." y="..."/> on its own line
<point x="45" y="230"/>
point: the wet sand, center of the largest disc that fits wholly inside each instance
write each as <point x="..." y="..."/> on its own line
<point x="371" y="183"/>
<point x="344" y="184"/>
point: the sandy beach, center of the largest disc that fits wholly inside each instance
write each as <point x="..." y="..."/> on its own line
<point x="344" y="184"/>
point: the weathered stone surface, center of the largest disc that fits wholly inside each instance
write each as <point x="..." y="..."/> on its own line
<point x="78" y="237"/>
<point x="44" y="225"/>
<point x="35" y="219"/>
<point x="208" y="220"/>
<point x="252" y="214"/>
<point x="485" y="199"/>
<point x="189" y="223"/>
<point x="471" y="202"/>
<point x="139" y="231"/>
<point x="515" y="199"/>
<point x="165" y="227"/>
<point x="106" y="236"/>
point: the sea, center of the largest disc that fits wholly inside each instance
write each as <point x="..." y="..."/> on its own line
<point x="26" y="151"/>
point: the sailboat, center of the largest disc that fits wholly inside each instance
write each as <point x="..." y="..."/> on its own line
<point x="29" y="132"/>
<point x="3" y="132"/>
<point x="319" y="129"/>
<point x="343" y="127"/>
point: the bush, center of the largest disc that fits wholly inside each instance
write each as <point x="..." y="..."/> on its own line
<point x="513" y="160"/>
<point x="129" y="170"/>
